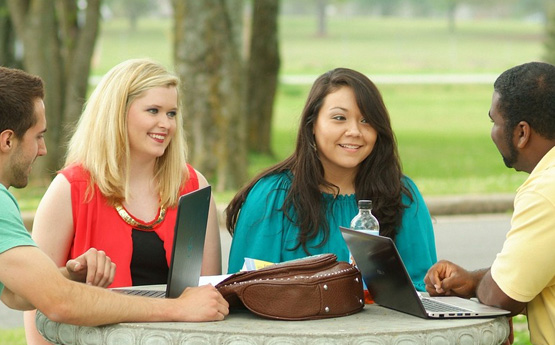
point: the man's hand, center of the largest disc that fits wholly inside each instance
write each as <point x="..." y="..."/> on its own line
<point x="93" y="267"/>
<point x="446" y="278"/>
<point x="203" y="303"/>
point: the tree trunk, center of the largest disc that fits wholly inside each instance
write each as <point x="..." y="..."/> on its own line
<point x="8" y="56"/>
<point x="208" y="61"/>
<point x="550" y="35"/>
<point x="58" y="48"/>
<point x="451" y="14"/>
<point x="262" y="77"/>
<point x="321" y="17"/>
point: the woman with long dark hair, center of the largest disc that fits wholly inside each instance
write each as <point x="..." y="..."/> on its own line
<point x="346" y="151"/>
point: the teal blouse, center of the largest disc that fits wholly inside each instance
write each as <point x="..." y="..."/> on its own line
<point x="263" y="232"/>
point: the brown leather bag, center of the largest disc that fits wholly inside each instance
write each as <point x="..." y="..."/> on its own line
<point x="314" y="287"/>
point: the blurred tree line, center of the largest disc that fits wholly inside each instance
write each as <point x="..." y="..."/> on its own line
<point x="55" y="40"/>
<point x="550" y="35"/>
<point x="448" y="9"/>
<point x="230" y="76"/>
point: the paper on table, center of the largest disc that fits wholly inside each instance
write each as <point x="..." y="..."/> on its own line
<point x="214" y="280"/>
<point x="250" y="265"/>
<point x="255" y="264"/>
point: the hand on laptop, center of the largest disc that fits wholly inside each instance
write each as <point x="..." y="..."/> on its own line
<point x="446" y="278"/>
<point x="203" y="303"/>
<point x="93" y="267"/>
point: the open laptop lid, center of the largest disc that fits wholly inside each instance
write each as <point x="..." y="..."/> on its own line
<point x="188" y="243"/>
<point x="383" y="272"/>
<point x="390" y="285"/>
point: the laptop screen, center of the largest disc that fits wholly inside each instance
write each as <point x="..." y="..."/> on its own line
<point x="188" y="242"/>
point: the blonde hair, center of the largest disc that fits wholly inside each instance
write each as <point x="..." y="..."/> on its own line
<point x="100" y="142"/>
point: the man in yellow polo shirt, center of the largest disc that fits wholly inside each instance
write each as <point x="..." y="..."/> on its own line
<point x="522" y="277"/>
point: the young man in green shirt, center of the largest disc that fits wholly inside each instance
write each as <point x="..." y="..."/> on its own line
<point x="29" y="279"/>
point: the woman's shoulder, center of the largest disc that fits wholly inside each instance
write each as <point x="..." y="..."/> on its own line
<point x="266" y="196"/>
<point x="407" y="181"/>
<point x="75" y="173"/>
<point x="280" y="180"/>
<point x="276" y="184"/>
<point x="191" y="171"/>
<point x="410" y="185"/>
<point x="192" y="180"/>
<point x="414" y="196"/>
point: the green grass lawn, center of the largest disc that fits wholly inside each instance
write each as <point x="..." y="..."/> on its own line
<point x="370" y="44"/>
<point x="400" y="45"/>
<point x="14" y="336"/>
<point x="442" y="130"/>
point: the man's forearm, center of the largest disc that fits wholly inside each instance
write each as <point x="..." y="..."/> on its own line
<point x="477" y="277"/>
<point x="33" y="281"/>
<point x="488" y="292"/>
<point x="14" y="301"/>
<point x="103" y="307"/>
<point x="64" y="272"/>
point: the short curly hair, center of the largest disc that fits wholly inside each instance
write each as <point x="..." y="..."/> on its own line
<point x="527" y="93"/>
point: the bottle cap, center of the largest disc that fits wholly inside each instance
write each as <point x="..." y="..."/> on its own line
<point x="365" y="204"/>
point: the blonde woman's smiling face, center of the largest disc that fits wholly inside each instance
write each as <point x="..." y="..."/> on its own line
<point x="343" y="137"/>
<point x="151" y="122"/>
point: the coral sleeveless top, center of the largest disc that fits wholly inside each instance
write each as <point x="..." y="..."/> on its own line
<point x="97" y="224"/>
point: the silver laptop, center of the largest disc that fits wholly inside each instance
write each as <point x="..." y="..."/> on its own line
<point x="188" y="246"/>
<point x="390" y="285"/>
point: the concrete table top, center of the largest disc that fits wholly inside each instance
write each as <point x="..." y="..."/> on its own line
<point x="373" y="325"/>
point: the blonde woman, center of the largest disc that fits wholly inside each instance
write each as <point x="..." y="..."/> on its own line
<point x="124" y="172"/>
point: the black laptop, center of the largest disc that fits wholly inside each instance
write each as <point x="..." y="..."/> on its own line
<point x="390" y="285"/>
<point x="188" y="246"/>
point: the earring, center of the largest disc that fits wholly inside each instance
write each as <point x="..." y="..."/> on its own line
<point x="313" y="146"/>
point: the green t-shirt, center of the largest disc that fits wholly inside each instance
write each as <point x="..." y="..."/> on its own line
<point x="12" y="231"/>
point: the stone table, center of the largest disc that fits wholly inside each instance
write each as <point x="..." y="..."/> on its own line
<point x="373" y="325"/>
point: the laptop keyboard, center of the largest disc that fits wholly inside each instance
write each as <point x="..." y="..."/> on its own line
<point x="436" y="306"/>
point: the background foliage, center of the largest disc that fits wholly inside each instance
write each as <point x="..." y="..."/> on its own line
<point x="442" y="127"/>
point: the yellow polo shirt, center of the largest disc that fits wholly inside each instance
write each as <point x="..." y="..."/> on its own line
<point x="525" y="268"/>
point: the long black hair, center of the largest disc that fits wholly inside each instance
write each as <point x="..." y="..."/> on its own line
<point x="378" y="179"/>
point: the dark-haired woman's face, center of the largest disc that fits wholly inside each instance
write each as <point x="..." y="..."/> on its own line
<point x="343" y="137"/>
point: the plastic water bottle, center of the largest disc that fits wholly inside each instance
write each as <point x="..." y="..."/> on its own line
<point x="365" y="221"/>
